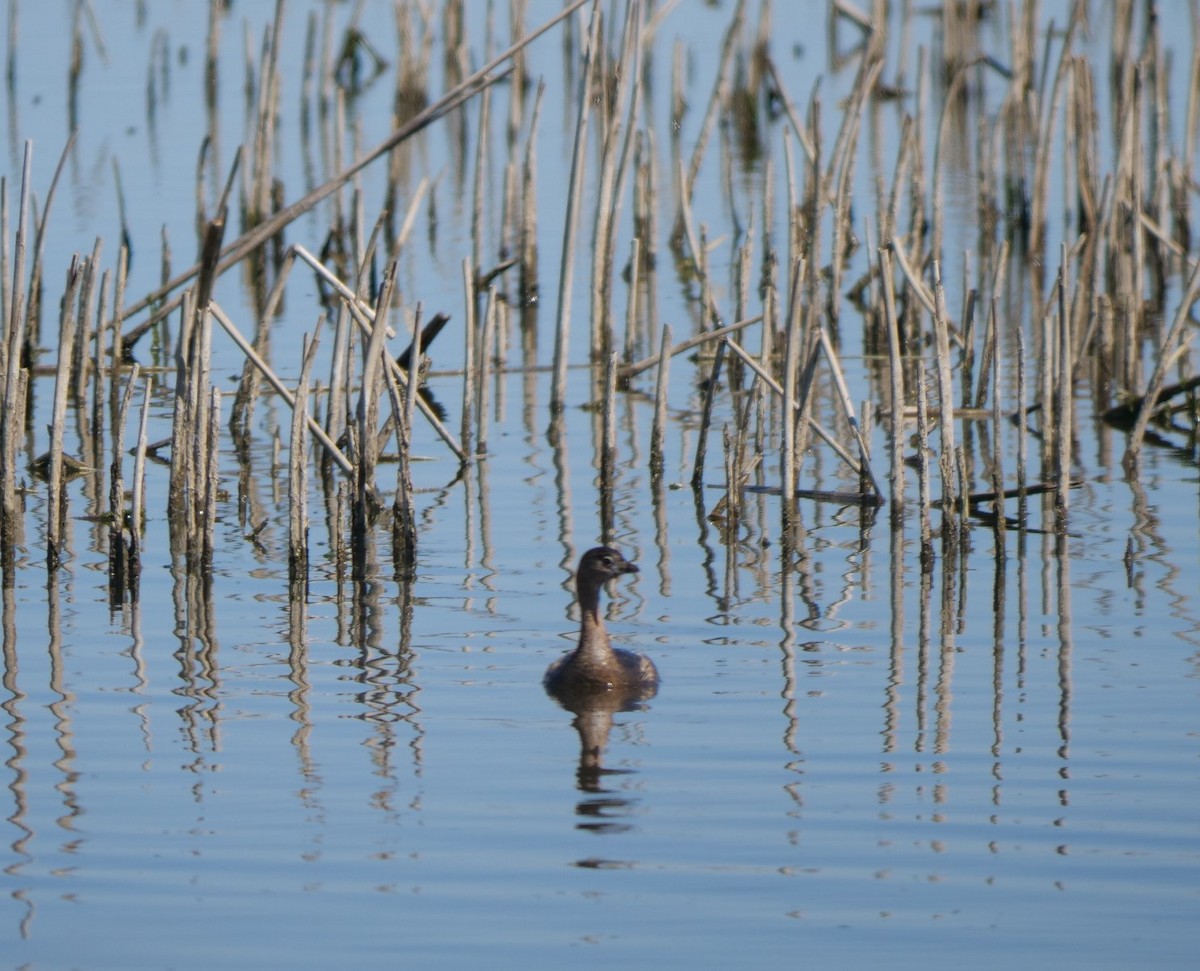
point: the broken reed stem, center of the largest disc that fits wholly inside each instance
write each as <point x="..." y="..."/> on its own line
<point x="895" y="387"/>
<point x="789" y="453"/>
<point x="68" y="322"/>
<point x="993" y="362"/>
<point x="15" y="376"/>
<point x="658" y="430"/>
<point x="608" y="446"/>
<point x="529" y="210"/>
<point x="367" y="410"/>
<point x="298" y="463"/>
<point x="562" y="330"/>
<point x="1063" y="394"/>
<point x="483" y="370"/>
<point x="470" y="343"/>
<point x="137" y="503"/>
<point x="404" y="519"/>
<point x="950" y="492"/>
<point x="925" y="498"/>
<point x="119" y="551"/>
<point x="1020" y="414"/>
<point x="631" y="303"/>
<point x="211" y="465"/>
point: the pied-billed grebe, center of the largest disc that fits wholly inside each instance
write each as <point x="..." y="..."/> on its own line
<point x="595" y="663"/>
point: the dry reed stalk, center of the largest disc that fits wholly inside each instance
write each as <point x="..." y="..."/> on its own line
<point x="890" y="216"/>
<point x="1166" y="354"/>
<point x="916" y="285"/>
<point x="699" y="256"/>
<point x="864" y="460"/>
<point x="5" y="277"/>
<point x="645" y="215"/>
<point x="993" y="364"/>
<point x="608" y="447"/>
<point x="80" y="361"/>
<point x="404" y="518"/>
<point x="118" y="526"/>
<point x="1021" y="429"/>
<point x="951" y="509"/>
<point x="15" y="376"/>
<point x="483" y="372"/>
<point x="840" y="176"/>
<point x="266" y="111"/>
<point x="211" y="466"/>
<point x="967" y="340"/>
<point x="32" y="309"/>
<point x="528" y="248"/>
<point x="658" y="429"/>
<point x="717" y="100"/>
<point x="895" y="388"/>
<point x="366" y="414"/>
<point x="1045" y="137"/>
<point x="1190" y="137"/>
<point x="137" y="500"/>
<point x="470" y="347"/>
<point x="562" y="330"/>
<point x="1064" y="396"/>
<point x="95" y="434"/>
<point x="789" y="453"/>
<point x="798" y="128"/>
<point x="710" y="394"/>
<point x="631" y="302"/>
<point x="297" y="464"/>
<point x="1048" y="371"/>
<point x="615" y="154"/>
<point x="991" y="346"/>
<point x="479" y="190"/>
<point x="924" y="493"/>
<point x="181" y="502"/>
<point x="68" y="325"/>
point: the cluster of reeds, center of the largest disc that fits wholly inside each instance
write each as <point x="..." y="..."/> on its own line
<point x="86" y="386"/>
<point x="937" y="373"/>
<point x="940" y="356"/>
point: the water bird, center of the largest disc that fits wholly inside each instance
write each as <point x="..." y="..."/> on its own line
<point x="595" y="665"/>
<point x="428" y="332"/>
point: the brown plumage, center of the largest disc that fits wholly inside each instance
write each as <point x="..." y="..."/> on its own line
<point x="595" y="663"/>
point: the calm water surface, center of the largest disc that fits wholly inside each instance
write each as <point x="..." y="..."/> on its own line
<point x="849" y="763"/>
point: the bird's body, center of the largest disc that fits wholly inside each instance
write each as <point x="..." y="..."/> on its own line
<point x="595" y="664"/>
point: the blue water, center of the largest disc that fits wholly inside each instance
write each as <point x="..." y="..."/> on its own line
<point x="848" y="763"/>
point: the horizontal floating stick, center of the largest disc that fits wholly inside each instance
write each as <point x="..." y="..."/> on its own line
<point x="629" y="370"/>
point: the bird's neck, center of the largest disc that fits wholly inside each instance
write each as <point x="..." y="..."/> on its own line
<point x="593" y="635"/>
